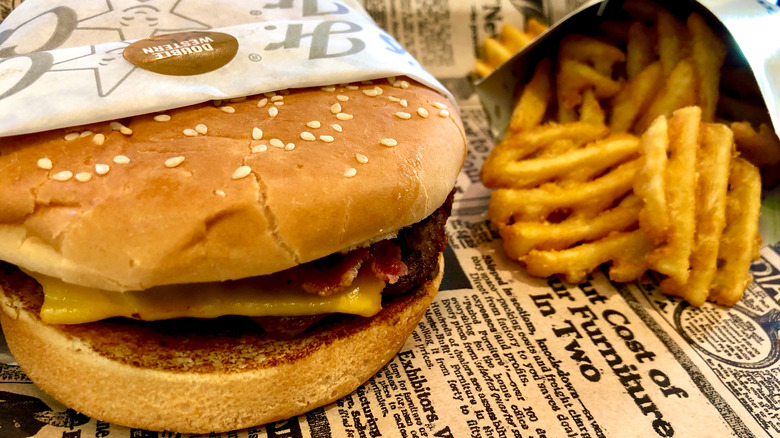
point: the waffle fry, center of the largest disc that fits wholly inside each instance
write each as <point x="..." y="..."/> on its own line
<point x="712" y="166"/>
<point x="708" y="54"/>
<point x="671" y="37"/>
<point x="639" y="48"/>
<point x="626" y="251"/>
<point x="649" y="183"/>
<point x="678" y="91"/>
<point x="547" y="205"/>
<point x="671" y="258"/>
<point x="612" y="158"/>
<point x="496" y="51"/>
<point x="762" y="147"/>
<point x="534" y="100"/>
<point x="634" y="98"/>
<point x="595" y="157"/>
<point x="522" y="237"/>
<point x="740" y="241"/>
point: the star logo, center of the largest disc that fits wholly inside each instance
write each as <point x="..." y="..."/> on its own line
<point x="131" y="20"/>
<point x="108" y="66"/>
<point x="138" y="19"/>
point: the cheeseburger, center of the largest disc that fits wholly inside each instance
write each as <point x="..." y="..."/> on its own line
<point x="230" y="263"/>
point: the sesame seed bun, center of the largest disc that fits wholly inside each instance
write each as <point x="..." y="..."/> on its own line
<point x="205" y="376"/>
<point x="227" y="190"/>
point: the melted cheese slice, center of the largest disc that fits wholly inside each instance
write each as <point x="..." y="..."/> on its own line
<point x="260" y="296"/>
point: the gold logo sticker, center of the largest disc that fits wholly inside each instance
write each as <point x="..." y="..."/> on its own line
<point x="183" y="53"/>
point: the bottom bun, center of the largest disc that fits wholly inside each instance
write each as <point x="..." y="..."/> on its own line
<point x="200" y="376"/>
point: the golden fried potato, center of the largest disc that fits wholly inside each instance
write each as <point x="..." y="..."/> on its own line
<point x="635" y="97"/>
<point x="678" y="91"/>
<point x="650" y="181"/>
<point x="740" y="241"/>
<point x="671" y="258"/>
<point x="712" y="167"/>
<point x="626" y="251"/>
<point x="624" y="165"/>
<point x="708" y="53"/>
<point x="534" y="100"/>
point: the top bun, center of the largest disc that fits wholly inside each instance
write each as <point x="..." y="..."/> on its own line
<point x="130" y="214"/>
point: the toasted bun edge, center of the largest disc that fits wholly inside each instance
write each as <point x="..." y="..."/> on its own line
<point x="319" y="368"/>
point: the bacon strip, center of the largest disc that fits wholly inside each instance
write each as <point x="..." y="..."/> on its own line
<point x="385" y="261"/>
<point x="332" y="274"/>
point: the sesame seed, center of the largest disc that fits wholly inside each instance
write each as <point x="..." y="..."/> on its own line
<point x="83" y="176"/>
<point x="116" y="126"/>
<point x="102" y="169"/>
<point x="238" y="99"/>
<point x="336" y="127"/>
<point x="289" y="147"/>
<point x="277" y="98"/>
<point x="352" y="87"/>
<point x="366" y="82"/>
<point x="349" y="173"/>
<point x="279" y="103"/>
<point x="342" y="98"/>
<point x="327" y="138"/>
<point x="217" y="102"/>
<point x="314" y="124"/>
<point x="45" y="163"/>
<point x="257" y="133"/>
<point x="62" y="176"/>
<point x="370" y="93"/>
<point x="444" y="113"/>
<point x="335" y="108"/>
<point x="227" y="109"/>
<point x="121" y="159"/>
<point x="162" y="118"/>
<point x="388" y="142"/>
<point x="270" y="94"/>
<point x="273" y="111"/>
<point x="403" y="84"/>
<point x="173" y="162"/>
<point x="190" y="132"/>
<point x="72" y="136"/>
<point x="391" y="80"/>
<point x="329" y="89"/>
<point x="259" y="148"/>
<point x="379" y="91"/>
<point x="262" y="102"/>
<point x="403" y="103"/>
<point x="241" y="172"/>
<point x="275" y="142"/>
<point x="403" y="115"/>
<point x="344" y="116"/>
<point x="306" y="135"/>
<point x="362" y="159"/>
<point x="220" y="193"/>
<point x="99" y="139"/>
<point x="126" y="131"/>
<point x="85" y="134"/>
<point x="422" y="112"/>
<point x="201" y="129"/>
<point x="394" y="99"/>
<point x="439" y="105"/>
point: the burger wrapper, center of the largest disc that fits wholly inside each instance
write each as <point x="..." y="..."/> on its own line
<point x="65" y="63"/>
<point x="748" y="23"/>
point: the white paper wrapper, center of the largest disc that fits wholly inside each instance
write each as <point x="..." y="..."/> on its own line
<point x="62" y="64"/>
